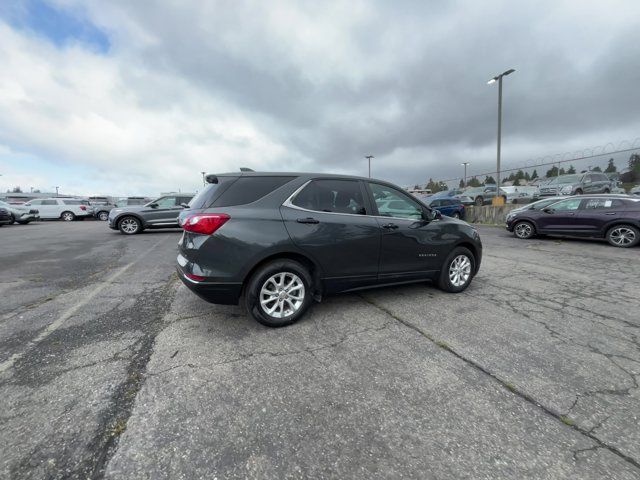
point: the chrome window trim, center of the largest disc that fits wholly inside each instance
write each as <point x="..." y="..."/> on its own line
<point x="288" y="203"/>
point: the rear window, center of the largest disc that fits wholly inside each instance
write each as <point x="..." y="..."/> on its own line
<point x="249" y="189"/>
<point x="205" y="198"/>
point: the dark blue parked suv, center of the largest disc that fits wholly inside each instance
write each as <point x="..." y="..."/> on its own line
<point x="278" y="241"/>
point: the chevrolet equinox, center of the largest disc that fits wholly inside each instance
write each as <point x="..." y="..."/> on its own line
<point x="275" y="242"/>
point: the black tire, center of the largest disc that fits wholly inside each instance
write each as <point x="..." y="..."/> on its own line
<point x="578" y="192"/>
<point x="23" y="222"/>
<point x="103" y="216"/>
<point x="479" y="201"/>
<point x="12" y="219"/>
<point x="456" y="215"/>
<point x="129" y="225"/>
<point x="623" y="236"/>
<point x="290" y="270"/>
<point x="524" y="230"/>
<point x="67" y="216"/>
<point x="606" y="190"/>
<point x="445" y="281"/>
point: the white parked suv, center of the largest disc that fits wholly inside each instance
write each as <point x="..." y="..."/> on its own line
<point x="67" y="209"/>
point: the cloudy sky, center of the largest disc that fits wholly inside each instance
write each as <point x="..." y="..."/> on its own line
<point x="138" y="97"/>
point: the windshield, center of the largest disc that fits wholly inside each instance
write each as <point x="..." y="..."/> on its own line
<point x="566" y="179"/>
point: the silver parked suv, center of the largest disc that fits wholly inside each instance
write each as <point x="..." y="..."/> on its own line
<point x="577" y="184"/>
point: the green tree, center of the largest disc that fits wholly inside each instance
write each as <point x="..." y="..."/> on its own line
<point x="527" y="177"/>
<point x="552" y="172"/>
<point x="516" y="182"/>
<point x="16" y="190"/>
<point x="519" y="175"/>
<point x="461" y="184"/>
<point x="474" y="182"/>
<point x="489" y="180"/>
<point x="534" y="175"/>
<point x="596" y="169"/>
<point x="571" y="169"/>
<point x="611" y="167"/>
<point x="562" y="172"/>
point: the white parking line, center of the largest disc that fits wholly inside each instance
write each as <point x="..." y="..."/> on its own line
<point x="10" y="362"/>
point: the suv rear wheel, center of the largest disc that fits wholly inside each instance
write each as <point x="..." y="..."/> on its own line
<point x="279" y="293"/>
<point x="479" y="201"/>
<point x="457" y="271"/>
<point x="67" y="216"/>
<point x="129" y="225"/>
<point x="624" y="236"/>
<point x="103" y="215"/>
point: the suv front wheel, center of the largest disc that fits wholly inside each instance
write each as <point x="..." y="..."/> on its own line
<point x="129" y="226"/>
<point x="457" y="271"/>
<point x="279" y="293"/>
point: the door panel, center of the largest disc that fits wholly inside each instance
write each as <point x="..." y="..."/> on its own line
<point x="561" y="217"/>
<point x="167" y="211"/>
<point x="345" y="246"/>
<point x="328" y="221"/>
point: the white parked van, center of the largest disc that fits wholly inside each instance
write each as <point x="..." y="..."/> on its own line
<point x="67" y="209"/>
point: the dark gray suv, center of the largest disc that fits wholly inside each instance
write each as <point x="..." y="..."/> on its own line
<point x="278" y="241"/>
<point x="160" y="213"/>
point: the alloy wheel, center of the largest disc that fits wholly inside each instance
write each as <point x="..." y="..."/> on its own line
<point x="523" y="230"/>
<point x="129" y="225"/>
<point x="622" y="236"/>
<point x="67" y="216"/>
<point x="460" y="270"/>
<point x="282" y="295"/>
<point x="104" y="216"/>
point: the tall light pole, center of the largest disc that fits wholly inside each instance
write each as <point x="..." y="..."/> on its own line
<point x="204" y="182"/>
<point x="57" y="191"/>
<point x="498" y="198"/>
<point x="369" y="157"/>
<point x="465" y="171"/>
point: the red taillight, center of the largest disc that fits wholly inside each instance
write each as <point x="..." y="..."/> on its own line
<point x="195" y="278"/>
<point x="82" y="207"/>
<point x="204" y="223"/>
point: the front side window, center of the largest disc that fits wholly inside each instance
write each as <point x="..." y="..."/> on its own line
<point x="393" y="203"/>
<point x="564" y="205"/>
<point x="336" y="196"/>
<point x="166" y="202"/>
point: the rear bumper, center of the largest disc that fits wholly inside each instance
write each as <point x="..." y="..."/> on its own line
<point x="222" y="293"/>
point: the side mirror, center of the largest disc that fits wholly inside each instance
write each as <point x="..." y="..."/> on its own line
<point x="153" y="205"/>
<point x="184" y="205"/>
<point x="548" y="210"/>
<point x="431" y="215"/>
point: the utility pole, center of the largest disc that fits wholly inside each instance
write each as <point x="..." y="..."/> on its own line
<point x="369" y="157"/>
<point x="498" y="198"/>
<point x="465" y="171"/>
<point x="57" y="191"/>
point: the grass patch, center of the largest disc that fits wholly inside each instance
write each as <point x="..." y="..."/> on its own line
<point x="510" y="386"/>
<point x="442" y="344"/>
<point x="118" y="428"/>
<point x="567" y="421"/>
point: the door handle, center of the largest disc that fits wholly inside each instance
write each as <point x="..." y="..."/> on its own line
<point x="307" y="220"/>
<point x="390" y="226"/>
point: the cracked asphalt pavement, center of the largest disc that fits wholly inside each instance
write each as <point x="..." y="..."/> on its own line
<point x="110" y="368"/>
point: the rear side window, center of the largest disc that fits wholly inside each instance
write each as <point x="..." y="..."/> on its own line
<point x="602" y="203"/>
<point x="249" y="189"/>
<point x="72" y="202"/>
<point x="337" y="196"/>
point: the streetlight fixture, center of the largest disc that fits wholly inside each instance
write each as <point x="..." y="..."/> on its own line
<point x="465" y="171"/>
<point x="498" y="199"/>
<point x="369" y="157"/>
